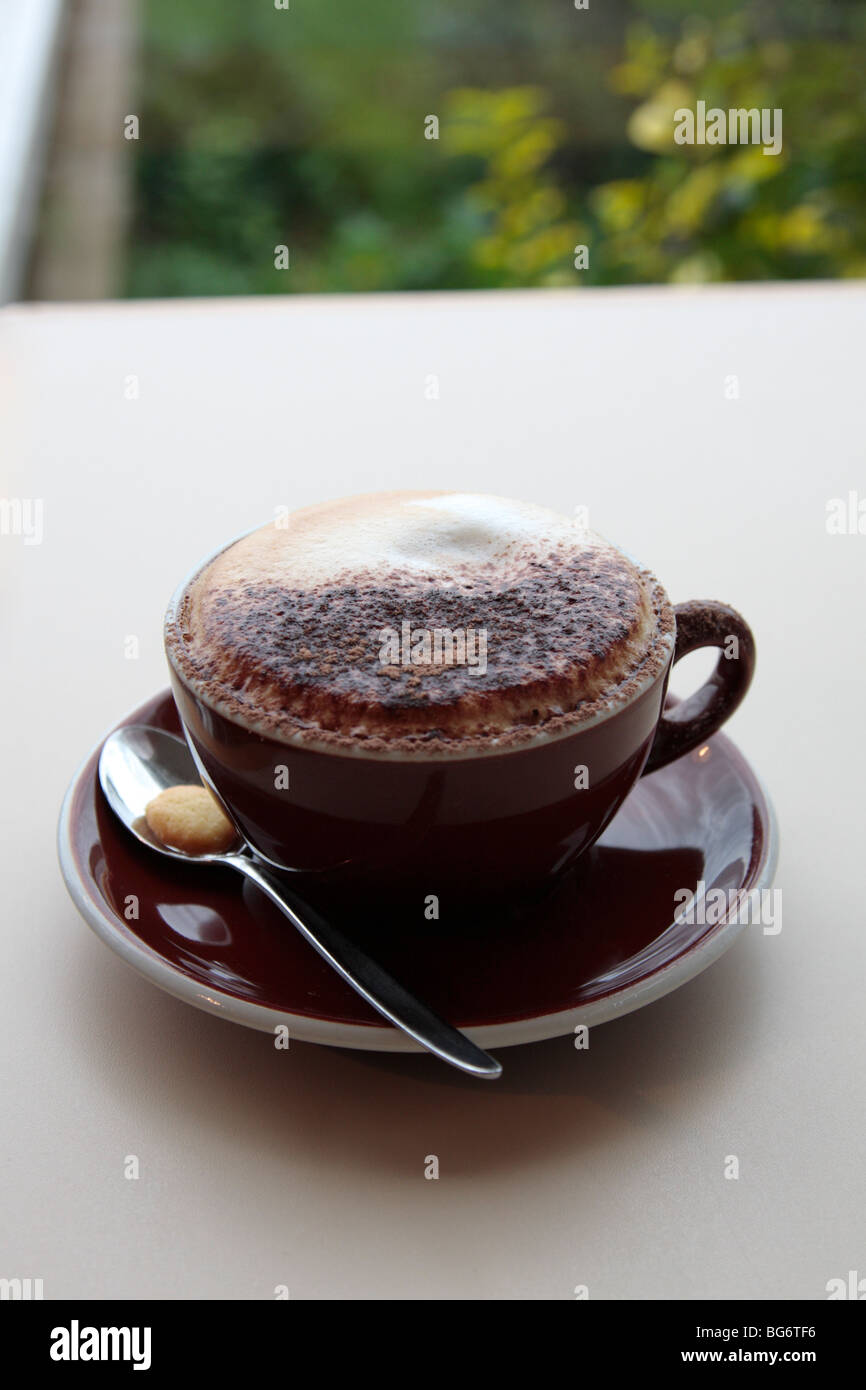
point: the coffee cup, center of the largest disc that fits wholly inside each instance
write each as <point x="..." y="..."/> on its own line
<point x="474" y="786"/>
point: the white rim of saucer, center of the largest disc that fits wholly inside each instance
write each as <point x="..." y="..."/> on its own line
<point x="385" y="1037"/>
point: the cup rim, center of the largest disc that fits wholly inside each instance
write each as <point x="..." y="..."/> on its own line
<point x="309" y="742"/>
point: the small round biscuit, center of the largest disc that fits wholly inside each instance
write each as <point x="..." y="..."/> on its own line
<point x="189" y="819"/>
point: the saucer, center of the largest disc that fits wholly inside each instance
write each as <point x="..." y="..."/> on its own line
<point x="609" y="938"/>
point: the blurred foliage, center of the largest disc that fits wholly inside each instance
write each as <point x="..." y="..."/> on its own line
<point x="523" y="235"/>
<point x="730" y="212"/>
<point x="306" y="127"/>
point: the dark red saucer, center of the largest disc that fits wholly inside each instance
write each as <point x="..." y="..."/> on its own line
<point x="605" y="941"/>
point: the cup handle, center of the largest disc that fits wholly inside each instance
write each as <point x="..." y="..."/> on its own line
<point x="704" y="623"/>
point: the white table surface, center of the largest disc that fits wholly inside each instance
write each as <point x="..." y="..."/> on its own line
<point x="306" y="1168"/>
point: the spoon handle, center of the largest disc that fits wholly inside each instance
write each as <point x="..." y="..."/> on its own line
<point x="369" y="979"/>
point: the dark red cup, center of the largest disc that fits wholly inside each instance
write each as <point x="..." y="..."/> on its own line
<point x="500" y="823"/>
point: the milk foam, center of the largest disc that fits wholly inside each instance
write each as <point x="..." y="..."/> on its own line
<point x="420" y="533"/>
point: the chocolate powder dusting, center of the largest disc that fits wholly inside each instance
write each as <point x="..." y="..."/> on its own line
<point x="562" y="633"/>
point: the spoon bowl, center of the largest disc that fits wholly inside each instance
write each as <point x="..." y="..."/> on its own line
<point x="136" y="764"/>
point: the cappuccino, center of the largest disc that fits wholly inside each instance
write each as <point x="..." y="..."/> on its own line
<point x="432" y="623"/>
